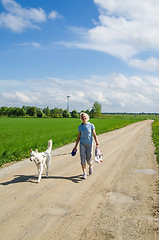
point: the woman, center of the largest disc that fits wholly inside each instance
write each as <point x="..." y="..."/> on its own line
<point x="86" y="132"/>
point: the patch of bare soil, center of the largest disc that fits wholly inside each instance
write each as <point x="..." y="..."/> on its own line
<point x="119" y="201"/>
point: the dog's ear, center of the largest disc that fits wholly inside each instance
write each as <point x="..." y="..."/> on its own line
<point x="36" y="150"/>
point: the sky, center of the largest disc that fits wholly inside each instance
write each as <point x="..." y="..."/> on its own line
<point x="91" y="50"/>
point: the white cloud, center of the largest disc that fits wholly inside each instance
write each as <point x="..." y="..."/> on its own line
<point x="33" y="44"/>
<point x="54" y="15"/>
<point x="116" y="93"/>
<point x="16" y="96"/>
<point x="38" y="15"/>
<point x="126" y="29"/>
<point x="17" y="18"/>
<point x="151" y="64"/>
<point x="129" y="23"/>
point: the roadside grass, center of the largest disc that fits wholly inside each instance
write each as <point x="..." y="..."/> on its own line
<point x="155" y="137"/>
<point x="157" y="184"/>
<point x="19" y="135"/>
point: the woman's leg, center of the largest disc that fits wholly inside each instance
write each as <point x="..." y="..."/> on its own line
<point x="89" y="159"/>
<point x="83" y="161"/>
<point x="83" y="168"/>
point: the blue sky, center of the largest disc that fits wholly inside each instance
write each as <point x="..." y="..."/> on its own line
<point x="92" y="50"/>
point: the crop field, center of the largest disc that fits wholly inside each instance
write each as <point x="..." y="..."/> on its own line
<point x="19" y="135"/>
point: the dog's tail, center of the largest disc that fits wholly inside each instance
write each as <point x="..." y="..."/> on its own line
<point x="49" y="146"/>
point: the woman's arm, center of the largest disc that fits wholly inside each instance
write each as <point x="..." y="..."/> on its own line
<point x="95" y="138"/>
<point x="78" y="139"/>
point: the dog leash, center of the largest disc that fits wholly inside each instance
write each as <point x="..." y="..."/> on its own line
<point x="73" y="153"/>
<point x="61" y="154"/>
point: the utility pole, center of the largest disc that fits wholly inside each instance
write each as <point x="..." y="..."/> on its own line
<point x="68" y="102"/>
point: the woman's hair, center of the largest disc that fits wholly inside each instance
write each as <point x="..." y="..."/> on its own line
<point x="83" y="113"/>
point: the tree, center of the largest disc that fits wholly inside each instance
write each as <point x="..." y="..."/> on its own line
<point x="96" y="110"/>
<point x="46" y="111"/>
<point x="3" y="111"/>
<point x="22" y="112"/>
<point x="10" y="111"/>
<point x="32" y="111"/>
<point x="82" y="111"/>
<point x="26" y="108"/>
<point x="92" y="113"/>
<point x="56" y="112"/>
<point x="60" y="112"/>
<point x="66" y="114"/>
<point x="88" y="112"/>
<point x="74" y="114"/>
<point x="39" y="113"/>
<point x="18" y="112"/>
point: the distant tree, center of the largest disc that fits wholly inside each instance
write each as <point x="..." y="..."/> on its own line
<point x="46" y="111"/>
<point x="74" y="114"/>
<point x="15" y="111"/>
<point x="19" y="112"/>
<point x="31" y="111"/>
<point x="22" y="112"/>
<point x="96" y="110"/>
<point x="56" y="112"/>
<point x="10" y="111"/>
<point x="88" y="112"/>
<point x="82" y="111"/>
<point x="3" y="111"/>
<point x="66" y="114"/>
<point x="26" y="108"/>
<point x="39" y="113"/>
<point x="92" y="113"/>
<point x="60" y="112"/>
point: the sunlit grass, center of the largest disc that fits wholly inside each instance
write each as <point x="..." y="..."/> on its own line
<point x="155" y="136"/>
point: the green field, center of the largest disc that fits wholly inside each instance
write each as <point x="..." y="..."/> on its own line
<point x="19" y="135"/>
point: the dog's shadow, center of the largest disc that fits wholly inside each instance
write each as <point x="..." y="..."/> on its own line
<point x="33" y="179"/>
<point x="20" y="178"/>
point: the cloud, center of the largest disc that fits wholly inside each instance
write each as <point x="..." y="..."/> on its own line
<point x="37" y="15"/>
<point x="116" y="93"/>
<point x="151" y="64"/>
<point x="54" y="15"/>
<point x="16" y="97"/>
<point x="32" y="44"/>
<point x="125" y="29"/>
<point x="17" y="18"/>
<point x="132" y="26"/>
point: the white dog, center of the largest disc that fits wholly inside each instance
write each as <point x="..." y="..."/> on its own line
<point x="42" y="159"/>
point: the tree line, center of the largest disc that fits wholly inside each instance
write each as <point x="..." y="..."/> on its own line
<point x="29" y="111"/>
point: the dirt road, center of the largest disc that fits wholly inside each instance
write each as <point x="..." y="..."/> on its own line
<point x="119" y="201"/>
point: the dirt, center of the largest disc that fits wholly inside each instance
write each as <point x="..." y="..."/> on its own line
<point x="119" y="201"/>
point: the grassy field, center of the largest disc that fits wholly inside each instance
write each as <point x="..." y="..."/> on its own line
<point x="19" y="135"/>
